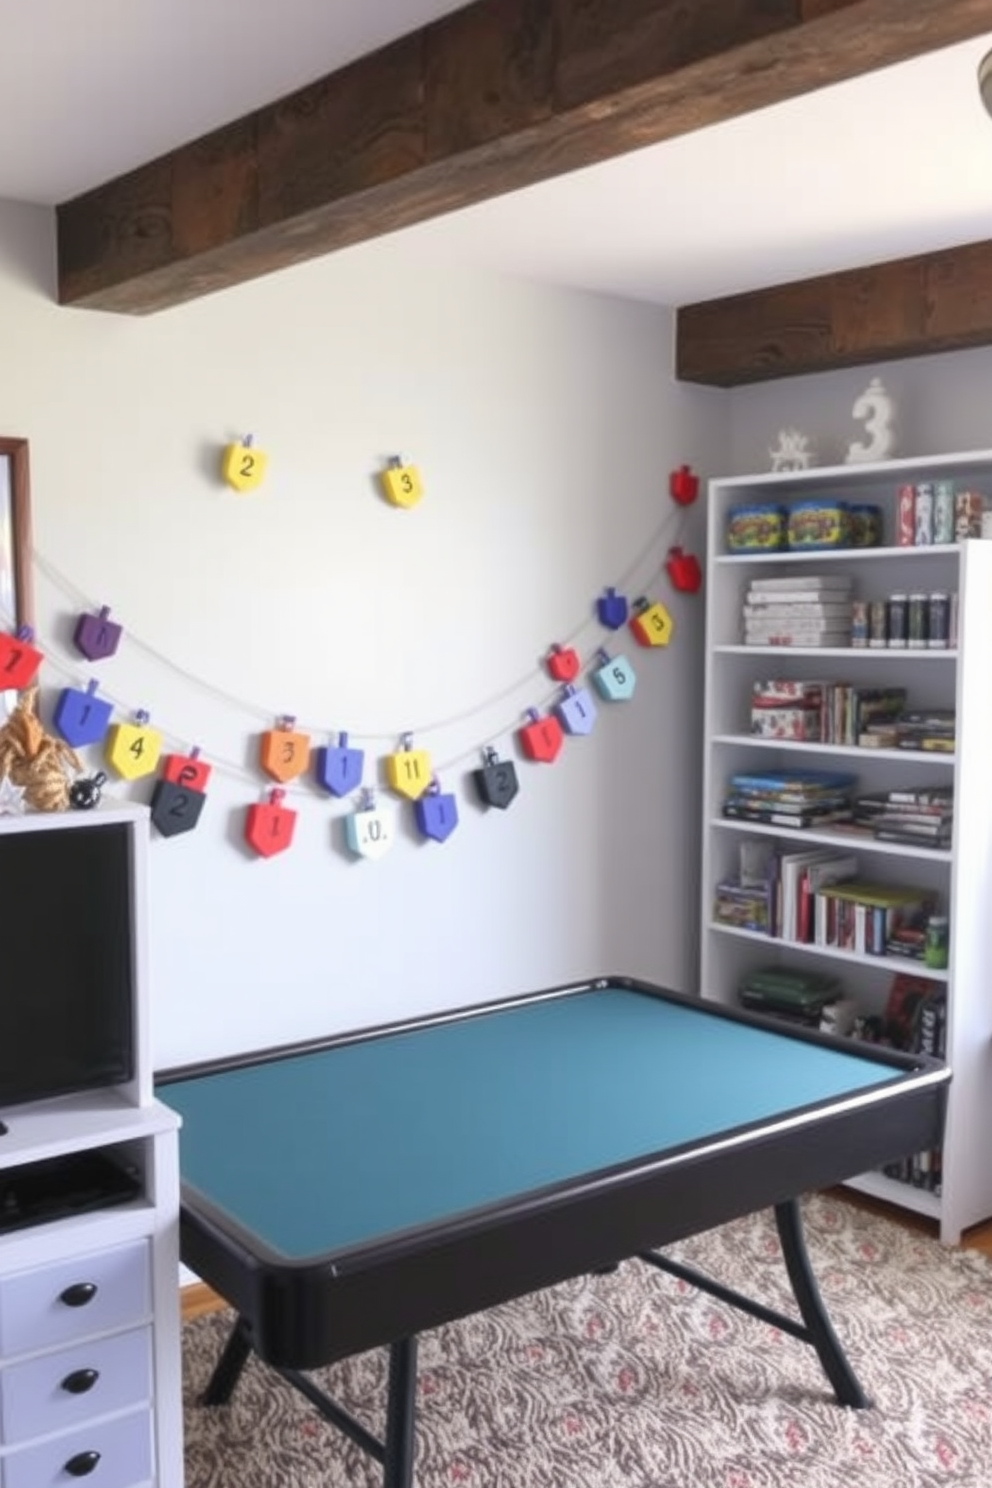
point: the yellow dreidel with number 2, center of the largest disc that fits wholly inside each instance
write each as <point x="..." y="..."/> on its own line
<point x="408" y="770"/>
<point x="243" y="466"/>
<point x="402" y="483"/>
<point x="133" y="749"/>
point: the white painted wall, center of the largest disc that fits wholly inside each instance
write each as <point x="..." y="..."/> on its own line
<point x="545" y="424"/>
<point x="941" y="404"/>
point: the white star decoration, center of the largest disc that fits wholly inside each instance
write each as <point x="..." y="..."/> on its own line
<point x="12" y="801"/>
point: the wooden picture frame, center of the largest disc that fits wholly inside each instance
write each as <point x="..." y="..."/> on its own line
<point x="16" y="588"/>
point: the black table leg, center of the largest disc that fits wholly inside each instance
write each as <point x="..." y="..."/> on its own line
<point x="819" y="1327"/>
<point x="227" y="1370"/>
<point x="401" y="1413"/>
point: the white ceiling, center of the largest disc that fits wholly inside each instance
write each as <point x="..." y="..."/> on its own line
<point x="894" y="163"/>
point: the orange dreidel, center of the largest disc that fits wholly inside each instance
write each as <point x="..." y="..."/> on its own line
<point x="283" y="752"/>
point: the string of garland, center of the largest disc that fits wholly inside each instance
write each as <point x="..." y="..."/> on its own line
<point x="134" y="750"/>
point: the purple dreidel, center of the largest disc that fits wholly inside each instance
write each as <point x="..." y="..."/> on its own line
<point x="97" y="636"/>
<point x="436" y="813"/>
<point x="81" y="717"/>
<point x="576" y="711"/>
<point x="338" y="768"/>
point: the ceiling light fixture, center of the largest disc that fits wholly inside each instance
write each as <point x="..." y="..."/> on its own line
<point x="985" y="81"/>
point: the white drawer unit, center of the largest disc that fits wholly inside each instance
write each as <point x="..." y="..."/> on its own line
<point x="76" y="1298"/>
<point x="115" y="1453"/>
<point x="57" y="1391"/>
<point x="90" y="1353"/>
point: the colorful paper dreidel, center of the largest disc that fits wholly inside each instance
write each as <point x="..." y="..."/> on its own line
<point x="401" y="483"/>
<point x="369" y="831"/>
<point x="19" y="660"/>
<point x="338" y="768"/>
<point x="614" y="678"/>
<point x="436" y="812"/>
<point x="651" y="624"/>
<point x="684" y="571"/>
<point x="496" y="780"/>
<point x="612" y="609"/>
<point x="133" y="749"/>
<point x="175" y="808"/>
<point x="269" y="825"/>
<point x="243" y="465"/>
<point x="576" y="711"/>
<point x="563" y="663"/>
<point x="283" y="752"/>
<point x="81" y="717"/>
<point x="683" y="485"/>
<point x="187" y="770"/>
<point x="408" y="770"/>
<point x="541" y="738"/>
<point x="97" y="636"/>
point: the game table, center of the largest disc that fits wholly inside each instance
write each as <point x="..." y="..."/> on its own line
<point x="356" y="1191"/>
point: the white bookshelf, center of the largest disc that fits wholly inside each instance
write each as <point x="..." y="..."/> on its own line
<point x="948" y="677"/>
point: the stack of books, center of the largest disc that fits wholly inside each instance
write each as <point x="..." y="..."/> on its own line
<point x="791" y="798"/>
<point x="862" y="916"/>
<point x="931" y="730"/>
<point x="810" y="610"/>
<point x="921" y="816"/>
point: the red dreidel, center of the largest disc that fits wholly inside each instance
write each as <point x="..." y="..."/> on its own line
<point x="563" y="663"/>
<point x="541" y="738"/>
<point x="496" y="780"/>
<point x="683" y="485"/>
<point x="684" y="571"/>
<point x="19" y="660"/>
<point x="97" y="636"/>
<point x="269" y="826"/>
<point x="186" y="770"/>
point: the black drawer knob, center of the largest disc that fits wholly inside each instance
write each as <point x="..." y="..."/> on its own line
<point x="80" y="1380"/>
<point x="82" y="1464"/>
<point x="78" y="1294"/>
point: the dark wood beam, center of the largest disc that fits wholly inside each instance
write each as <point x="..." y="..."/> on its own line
<point x="497" y="96"/>
<point x="909" y="307"/>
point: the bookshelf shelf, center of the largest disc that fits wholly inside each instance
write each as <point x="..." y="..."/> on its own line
<point x="957" y="876"/>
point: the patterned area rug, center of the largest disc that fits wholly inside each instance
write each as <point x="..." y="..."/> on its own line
<point x="634" y="1380"/>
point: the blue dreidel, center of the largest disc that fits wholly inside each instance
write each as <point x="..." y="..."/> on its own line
<point x="436" y="813"/>
<point x="576" y="711"/>
<point x="338" y="768"/>
<point x="81" y="717"/>
<point x="496" y="780"/>
<point x="175" y="808"/>
<point x="612" y="609"/>
<point x="614" y="679"/>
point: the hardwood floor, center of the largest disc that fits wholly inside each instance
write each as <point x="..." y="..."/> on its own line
<point x="199" y="1299"/>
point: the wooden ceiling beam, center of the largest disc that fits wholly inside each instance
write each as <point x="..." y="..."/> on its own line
<point x="930" y="303"/>
<point x="494" y="97"/>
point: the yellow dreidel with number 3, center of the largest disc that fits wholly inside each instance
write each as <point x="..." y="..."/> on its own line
<point x="402" y="483"/>
<point x="243" y="466"/>
<point x="408" y="770"/>
<point x="133" y="749"/>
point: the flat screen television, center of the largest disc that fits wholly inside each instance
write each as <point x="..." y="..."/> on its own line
<point x="67" y="963"/>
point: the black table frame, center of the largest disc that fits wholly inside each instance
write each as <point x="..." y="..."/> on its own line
<point x="298" y="1316"/>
